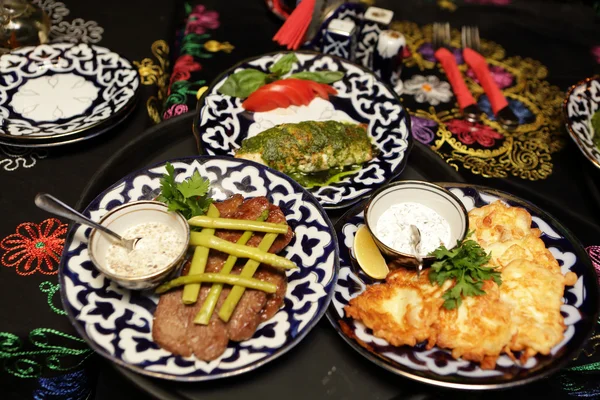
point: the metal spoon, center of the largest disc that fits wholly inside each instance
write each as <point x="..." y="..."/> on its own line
<point x="53" y="205"/>
<point x="415" y="240"/>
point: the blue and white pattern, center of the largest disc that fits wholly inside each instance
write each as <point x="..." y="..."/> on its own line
<point x="117" y="323"/>
<point x="582" y="101"/>
<point x="361" y="98"/>
<point x="436" y="365"/>
<point x="338" y="44"/>
<point x="348" y="11"/>
<point x="94" y="84"/>
<point x="366" y="43"/>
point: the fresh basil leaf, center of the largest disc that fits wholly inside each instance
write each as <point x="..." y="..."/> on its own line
<point x="243" y="83"/>
<point x="284" y="64"/>
<point x="319" y="76"/>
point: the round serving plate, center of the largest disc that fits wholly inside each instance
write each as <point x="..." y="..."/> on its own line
<point x="117" y="323"/>
<point x="321" y="348"/>
<point x="55" y="94"/>
<point x="581" y="102"/>
<point x="362" y="98"/>
<point x="436" y="366"/>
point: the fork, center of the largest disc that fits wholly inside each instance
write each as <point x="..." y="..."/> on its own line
<point x="441" y="42"/>
<point x="471" y="44"/>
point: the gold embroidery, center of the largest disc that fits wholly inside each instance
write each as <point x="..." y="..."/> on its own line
<point x="155" y="74"/>
<point x="214" y="46"/>
<point x="201" y="91"/>
<point x="447" y="5"/>
<point x="525" y="152"/>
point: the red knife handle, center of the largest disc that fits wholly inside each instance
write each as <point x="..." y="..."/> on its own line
<point x="478" y="64"/>
<point x="459" y="87"/>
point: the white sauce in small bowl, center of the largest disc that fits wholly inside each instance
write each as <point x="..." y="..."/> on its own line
<point x="158" y="247"/>
<point x="393" y="228"/>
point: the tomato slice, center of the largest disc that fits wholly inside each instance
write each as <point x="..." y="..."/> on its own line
<point x="261" y="101"/>
<point x="286" y="92"/>
<point x="318" y="89"/>
<point x="301" y="88"/>
<point x="288" y="89"/>
<point x="330" y="89"/>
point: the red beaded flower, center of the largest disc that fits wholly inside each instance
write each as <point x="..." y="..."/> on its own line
<point x="469" y="132"/>
<point x="35" y="247"/>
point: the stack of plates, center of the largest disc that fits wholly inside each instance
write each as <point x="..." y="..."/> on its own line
<point x="63" y="93"/>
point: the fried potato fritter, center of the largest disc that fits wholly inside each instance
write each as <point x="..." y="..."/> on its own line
<point x="478" y="330"/>
<point x="521" y="315"/>
<point x="498" y="222"/>
<point x="402" y="310"/>
<point x="530" y="247"/>
<point x="537" y="324"/>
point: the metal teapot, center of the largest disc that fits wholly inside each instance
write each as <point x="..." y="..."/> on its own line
<point x="22" y="24"/>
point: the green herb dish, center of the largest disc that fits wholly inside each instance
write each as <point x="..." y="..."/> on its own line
<point x="314" y="153"/>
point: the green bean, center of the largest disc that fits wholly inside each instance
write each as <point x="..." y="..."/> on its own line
<point x="205" y="221"/>
<point x="203" y="316"/>
<point x="247" y="272"/>
<point x="238" y="250"/>
<point x="249" y="283"/>
<point x="198" y="264"/>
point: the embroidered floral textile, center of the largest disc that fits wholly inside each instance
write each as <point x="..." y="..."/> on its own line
<point x="72" y="386"/>
<point x="469" y="132"/>
<point x="200" y="20"/>
<point x="183" y="68"/>
<point x="422" y="129"/>
<point x="596" y="53"/>
<point x="175" y="109"/>
<point x="520" y="110"/>
<point x="34" y="247"/>
<point x="428" y="52"/>
<point x="502" y="77"/>
<point x="489" y="2"/>
<point x="428" y="89"/>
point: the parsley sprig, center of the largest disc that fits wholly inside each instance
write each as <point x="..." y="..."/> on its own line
<point x="189" y="197"/>
<point x="465" y="264"/>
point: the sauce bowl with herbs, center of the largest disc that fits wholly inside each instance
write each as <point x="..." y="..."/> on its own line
<point x="438" y="214"/>
<point x="164" y="238"/>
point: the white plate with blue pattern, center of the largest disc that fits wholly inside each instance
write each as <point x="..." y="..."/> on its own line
<point x="436" y="366"/>
<point x="57" y="93"/>
<point x="222" y="123"/>
<point x="581" y="102"/>
<point x="117" y="323"/>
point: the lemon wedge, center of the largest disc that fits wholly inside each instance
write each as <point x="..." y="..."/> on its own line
<point x="368" y="255"/>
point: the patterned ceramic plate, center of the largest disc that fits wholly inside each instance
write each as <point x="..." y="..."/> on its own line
<point x="117" y="323"/>
<point x="51" y="94"/>
<point x="582" y="101"/>
<point x="437" y="366"/>
<point x="223" y="123"/>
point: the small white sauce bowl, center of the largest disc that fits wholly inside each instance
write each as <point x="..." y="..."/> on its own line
<point x="124" y="217"/>
<point x="442" y="201"/>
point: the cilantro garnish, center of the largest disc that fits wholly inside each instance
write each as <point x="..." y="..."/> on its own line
<point x="189" y="197"/>
<point x="465" y="264"/>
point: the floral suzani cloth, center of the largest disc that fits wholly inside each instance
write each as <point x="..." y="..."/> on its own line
<point x="194" y="46"/>
<point x="485" y="148"/>
<point x="51" y="361"/>
<point x="46" y="361"/>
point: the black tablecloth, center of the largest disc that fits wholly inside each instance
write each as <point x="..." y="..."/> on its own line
<point x="561" y="35"/>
